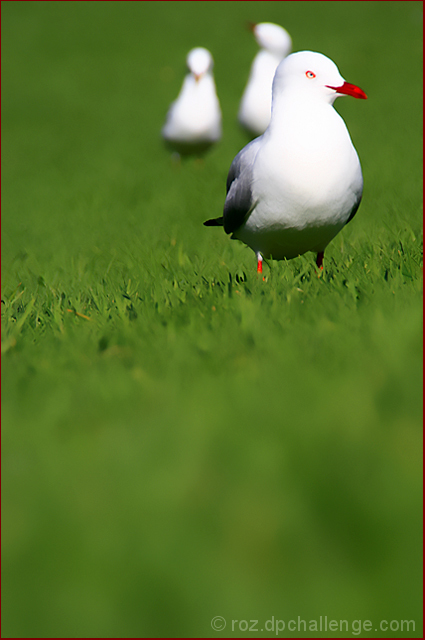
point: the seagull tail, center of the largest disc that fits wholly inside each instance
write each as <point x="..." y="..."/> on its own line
<point x="215" y="222"/>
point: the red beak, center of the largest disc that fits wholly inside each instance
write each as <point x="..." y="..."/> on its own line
<point x="348" y="89"/>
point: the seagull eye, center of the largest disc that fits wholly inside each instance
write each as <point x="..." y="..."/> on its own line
<point x="310" y="74"/>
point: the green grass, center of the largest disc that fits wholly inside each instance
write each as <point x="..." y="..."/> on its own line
<point x="182" y="440"/>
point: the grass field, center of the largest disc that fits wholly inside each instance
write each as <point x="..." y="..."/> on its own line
<point x="181" y="439"/>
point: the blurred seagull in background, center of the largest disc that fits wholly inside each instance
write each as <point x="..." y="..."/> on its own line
<point x="255" y="106"/>
<point x="294" y="188"/>
<point x="193" y="121"/>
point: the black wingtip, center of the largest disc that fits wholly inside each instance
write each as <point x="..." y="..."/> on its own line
<point x="215" y="222"/>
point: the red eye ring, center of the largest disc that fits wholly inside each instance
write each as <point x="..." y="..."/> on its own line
<point x="310" y="74"/>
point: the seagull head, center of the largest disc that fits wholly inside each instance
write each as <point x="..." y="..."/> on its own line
<point x="199" y="62"/>
<point x="272" y="37"/>
<point x="313" y="75"/>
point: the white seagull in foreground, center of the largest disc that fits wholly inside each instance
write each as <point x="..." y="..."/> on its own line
<point x="294" y="188"/>
<point x="255" y="107"/>
<point x="193" y="121"/>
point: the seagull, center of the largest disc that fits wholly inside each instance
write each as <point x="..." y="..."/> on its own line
<point x="294" y="188"/>
<point x="255" y="106"/>
<point x="193" y="122"/>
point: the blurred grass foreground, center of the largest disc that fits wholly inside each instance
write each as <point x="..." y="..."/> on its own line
<point x="189" y="450"/>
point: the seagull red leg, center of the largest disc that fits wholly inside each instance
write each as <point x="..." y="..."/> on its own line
<point x="259" y="262"/>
